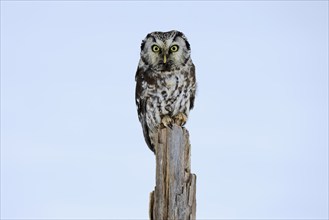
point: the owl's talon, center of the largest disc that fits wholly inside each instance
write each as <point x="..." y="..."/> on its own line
<point x="180" y="119"/>
<point x="167" y="121"/>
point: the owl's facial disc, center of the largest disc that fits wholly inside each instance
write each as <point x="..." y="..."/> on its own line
<point x="164" y="56"/>
<point x="165" y="51"/>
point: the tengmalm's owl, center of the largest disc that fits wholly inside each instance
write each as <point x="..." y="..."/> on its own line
<point x="165" y="82"/>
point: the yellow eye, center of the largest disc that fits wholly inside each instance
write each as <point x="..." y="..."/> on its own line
<point x="174" y="48"/>
<point x="155" y="48"/>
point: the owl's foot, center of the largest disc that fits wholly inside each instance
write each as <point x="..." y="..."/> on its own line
<point x="180" y="119"/>
<point x="167" y="121"/>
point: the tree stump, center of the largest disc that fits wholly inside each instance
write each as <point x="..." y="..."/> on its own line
<point x="174" y="196"/>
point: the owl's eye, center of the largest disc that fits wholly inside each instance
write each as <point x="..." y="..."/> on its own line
<point x="155" y="48"/>
<point x="174" y="48"/>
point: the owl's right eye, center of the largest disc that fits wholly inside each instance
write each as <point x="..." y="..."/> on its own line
<point x="155" y="48"/>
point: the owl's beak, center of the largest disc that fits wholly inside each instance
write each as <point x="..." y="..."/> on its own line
<point x="164" y="58"/>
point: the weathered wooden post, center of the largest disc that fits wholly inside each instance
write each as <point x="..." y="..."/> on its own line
<point x="174" y="196"/>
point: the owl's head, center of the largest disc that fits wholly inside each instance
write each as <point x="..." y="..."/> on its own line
<point x="165" y="51"/>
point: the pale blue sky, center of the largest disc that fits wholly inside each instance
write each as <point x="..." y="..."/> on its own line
<point x="71" y="143"/>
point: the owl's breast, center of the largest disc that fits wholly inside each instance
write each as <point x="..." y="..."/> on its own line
<point x="172" y="92"/>
<point x="169" y="95"/>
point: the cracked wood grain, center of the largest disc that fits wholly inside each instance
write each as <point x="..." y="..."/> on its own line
<point x="174" y="196"/>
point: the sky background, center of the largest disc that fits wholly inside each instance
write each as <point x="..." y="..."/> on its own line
<point x="71" y="143"/>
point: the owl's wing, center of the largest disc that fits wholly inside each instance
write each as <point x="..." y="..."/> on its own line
<point x="141" y="106"/>
<point x="193" y="81"/>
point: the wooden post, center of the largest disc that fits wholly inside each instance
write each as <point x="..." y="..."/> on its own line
<point x="175" y="190"/>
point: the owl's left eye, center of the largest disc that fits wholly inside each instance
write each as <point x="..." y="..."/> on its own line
<point x="173" y="48"/>
<point x="155" y="48"/>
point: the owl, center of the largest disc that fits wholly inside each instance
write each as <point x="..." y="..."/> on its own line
<point x="165" y="82"/>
